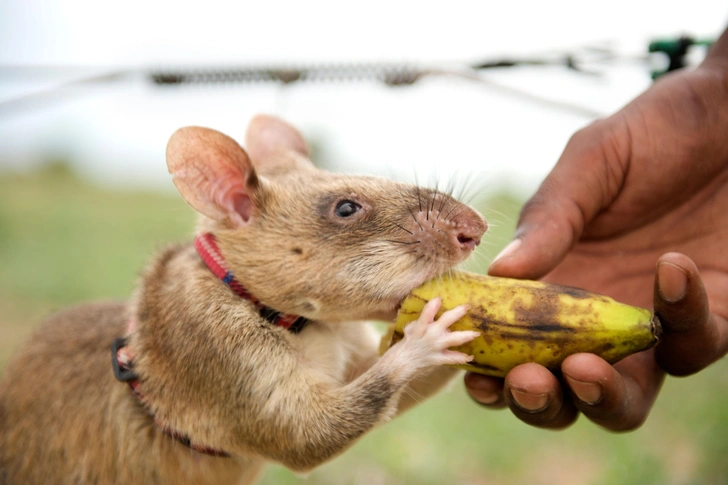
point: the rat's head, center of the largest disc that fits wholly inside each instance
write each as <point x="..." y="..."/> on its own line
<point x="310" y="242"/>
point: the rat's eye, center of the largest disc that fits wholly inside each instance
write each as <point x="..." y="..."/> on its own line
<point x="347" y="208"/>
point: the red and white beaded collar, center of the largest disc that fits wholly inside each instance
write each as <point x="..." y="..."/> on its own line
<point x="122" y="358"/>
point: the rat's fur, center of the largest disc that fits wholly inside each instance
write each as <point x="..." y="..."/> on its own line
<point x="208" y="364"/>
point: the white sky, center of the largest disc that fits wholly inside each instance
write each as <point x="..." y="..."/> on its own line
<point x="439" y="126"/>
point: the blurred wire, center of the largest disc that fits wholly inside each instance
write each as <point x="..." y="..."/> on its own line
<point x="61" y="91"/>
<point x="388" y="74"/>
<point x="391" y="75"/>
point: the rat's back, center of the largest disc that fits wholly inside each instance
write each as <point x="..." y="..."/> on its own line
<point x="61" y="383"/>
<point x="60" y="406"/>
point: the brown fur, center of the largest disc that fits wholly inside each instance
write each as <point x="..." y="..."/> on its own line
<point x="209" y="365"/>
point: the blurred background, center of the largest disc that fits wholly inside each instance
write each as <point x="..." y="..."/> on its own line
<point x="90" y="92"/>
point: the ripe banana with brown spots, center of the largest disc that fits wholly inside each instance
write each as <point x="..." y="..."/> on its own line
<point x="530" y="321"/>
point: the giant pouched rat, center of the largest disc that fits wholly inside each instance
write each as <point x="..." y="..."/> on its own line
<point x="250" y="345"/>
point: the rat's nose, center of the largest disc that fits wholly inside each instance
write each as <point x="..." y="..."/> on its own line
<point x="467" y="242"/>
<point x="468" y="234"/>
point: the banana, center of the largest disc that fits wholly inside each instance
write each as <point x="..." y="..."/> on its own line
<point x="530" y="321"/>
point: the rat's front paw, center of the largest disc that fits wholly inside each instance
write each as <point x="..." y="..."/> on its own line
<point x="426" y="341"/>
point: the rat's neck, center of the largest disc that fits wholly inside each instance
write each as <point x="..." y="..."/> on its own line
<point x="207" y="248"/>
<point x="123" y="356"/>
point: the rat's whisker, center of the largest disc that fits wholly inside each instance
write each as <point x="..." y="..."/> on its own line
<point x="419" y="192"/>
<point x="456" y="216"/>
<point x="450" y="212"/>
<point x="403" y="228"/>
<point x="415" y="218"/>
<point x="443" y="201"/>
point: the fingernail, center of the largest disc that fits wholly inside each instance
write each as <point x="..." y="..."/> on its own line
<point x="672" y="282"/>
<point x="482" y="388"/>
<point x="531" y="403"/>
<point x="509" y="250"/>
<point x="484" y="396"/>
<point x="587" y="392"/>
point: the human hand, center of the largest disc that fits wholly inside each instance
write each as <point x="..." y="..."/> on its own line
<point x="646" y="186"/>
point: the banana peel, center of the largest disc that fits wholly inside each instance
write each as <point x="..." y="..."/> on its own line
<point x="530" y="321"/>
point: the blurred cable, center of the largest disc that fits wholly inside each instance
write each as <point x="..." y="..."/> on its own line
<point x="76" y="86"/>
<point x="388" y="74"/>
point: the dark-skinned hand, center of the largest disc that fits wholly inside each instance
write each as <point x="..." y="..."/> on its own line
<point x="636" y="208"/>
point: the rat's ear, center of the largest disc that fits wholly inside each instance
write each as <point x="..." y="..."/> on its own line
<point x="268" y="136"/>
<point x="213" y="174"/>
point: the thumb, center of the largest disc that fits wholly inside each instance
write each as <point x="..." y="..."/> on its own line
<point x="548" y="228"/>
<point x="584" y="181"/>
<point x="693" y="337"/>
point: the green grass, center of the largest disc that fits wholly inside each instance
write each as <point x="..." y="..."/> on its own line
<point x="63" y="242"/>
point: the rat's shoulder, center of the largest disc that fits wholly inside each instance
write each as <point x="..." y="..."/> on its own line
<point x="167" y="259"/>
